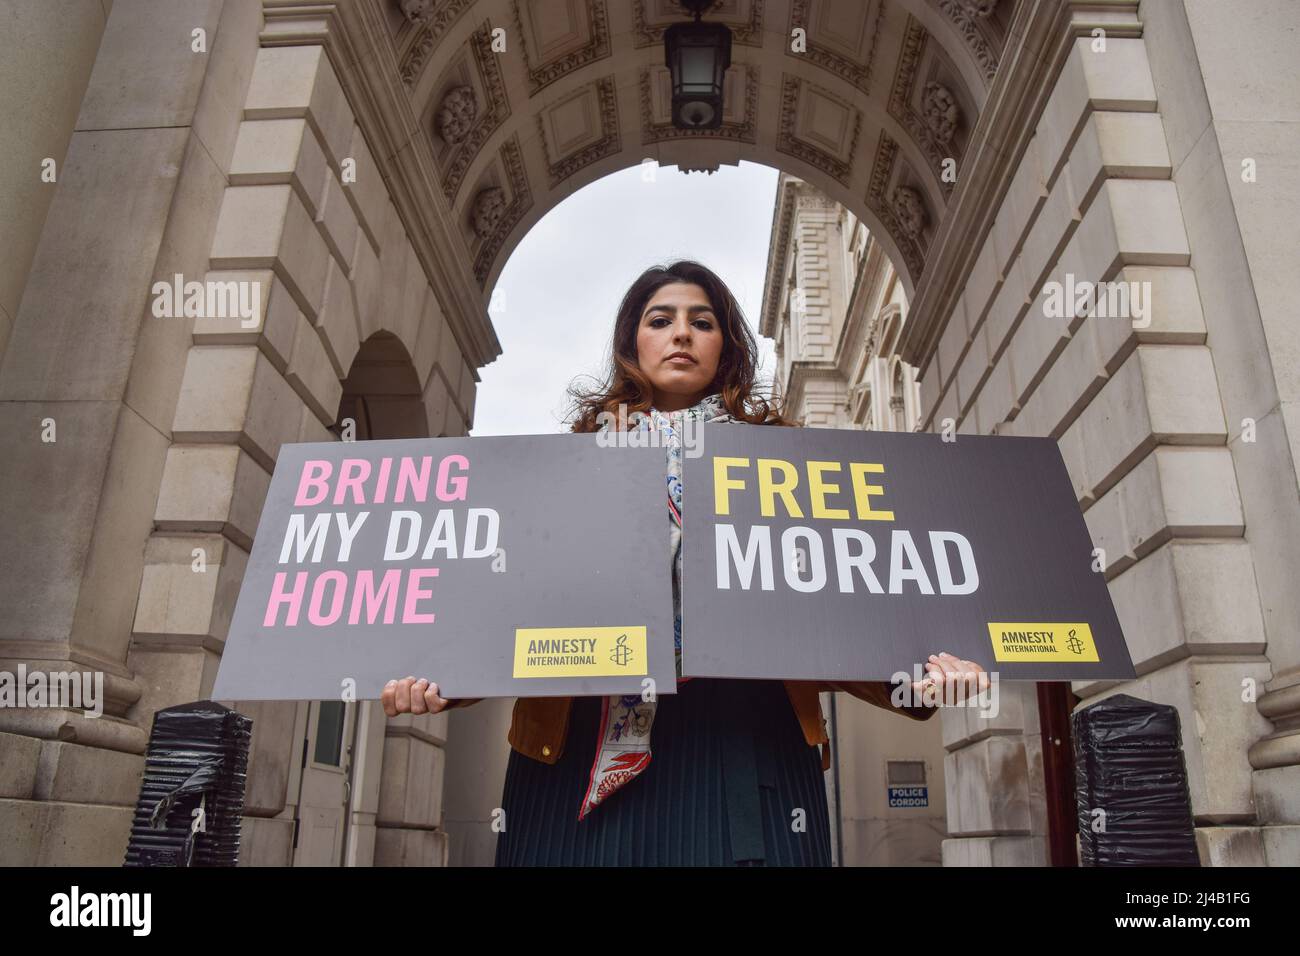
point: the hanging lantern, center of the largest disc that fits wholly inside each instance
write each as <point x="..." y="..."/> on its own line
<point x="697" y="56"/>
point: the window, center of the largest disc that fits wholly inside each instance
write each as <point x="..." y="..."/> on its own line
<point x="905" y="773"/>
<point x="897" y="406"/>
<point x="329" y="733"/>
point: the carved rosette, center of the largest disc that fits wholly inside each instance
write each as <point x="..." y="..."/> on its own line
<point x="882" y="172"/>
<point x="978" y="9"/>
<point x="456" y="114"/>
<point x="940" y="112"/>
<point x="909" y="211"/>
<point x="488" y="117"/>
<point x="935" y="118"/>
<point x="418" y="11"/>
<point x="489" y="209"/>
<point x="492" y="213"/>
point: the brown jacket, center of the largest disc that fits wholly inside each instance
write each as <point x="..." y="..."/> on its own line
<point x="540" y="725"/>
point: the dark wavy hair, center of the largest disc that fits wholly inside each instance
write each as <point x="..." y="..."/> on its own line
<point x="624" y="383"/>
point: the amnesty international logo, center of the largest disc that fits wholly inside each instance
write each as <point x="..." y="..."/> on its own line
<point x="579" y="651"/>
<point x="1040" y="642"/>
<point x="621" y="654"/>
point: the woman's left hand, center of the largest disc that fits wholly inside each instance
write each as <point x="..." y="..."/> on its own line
<point x="951" y="675"/>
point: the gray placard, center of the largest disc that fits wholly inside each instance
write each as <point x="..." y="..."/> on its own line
<point x="1010" y="499"/>
<point x="582" y="543"/>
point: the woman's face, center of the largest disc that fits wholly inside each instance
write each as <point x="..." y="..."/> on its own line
<point x="678" y="344"/>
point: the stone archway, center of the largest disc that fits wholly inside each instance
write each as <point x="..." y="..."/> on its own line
<point x="461" y="151"/>
<point x="866" y="100"/>
<point x="328" y="154"/>
<point x="330" y="157"/>
<point x="382" y="394"/>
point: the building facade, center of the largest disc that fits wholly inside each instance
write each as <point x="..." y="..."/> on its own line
<point x="368" y="165"/>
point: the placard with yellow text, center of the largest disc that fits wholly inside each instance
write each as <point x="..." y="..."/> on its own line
<point x="833" y="554"/>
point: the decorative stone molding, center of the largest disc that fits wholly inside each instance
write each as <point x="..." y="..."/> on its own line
<point x="935" y="124"/>
<point x="975" y="32"/>
<point x="521" y="199"/>
<point x="609" y="143"/>
<point x="882" y="172"/>
<point x="746" y="32"/>
<point x="856" y="72"/>
<point x="819" y="202"/>
<point x="432" y="27"/>
<point x="596" y="48"/>
<point x="456" y="114"/>
<point x="744" y="130"/>
<point x="787" y="142"/>
<point x="488" y="120"/>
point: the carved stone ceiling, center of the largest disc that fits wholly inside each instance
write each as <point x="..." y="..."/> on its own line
<point x="522" y="102"/>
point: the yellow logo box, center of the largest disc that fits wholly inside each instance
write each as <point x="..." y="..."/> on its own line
<point x="1042" y="642"/>
<point x="579" y="651"/>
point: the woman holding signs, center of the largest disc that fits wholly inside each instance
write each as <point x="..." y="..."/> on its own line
<point x="736" y="778"/>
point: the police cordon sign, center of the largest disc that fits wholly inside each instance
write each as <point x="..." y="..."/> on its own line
<point x="830" y="554"/>
<point x="496" y="566"/>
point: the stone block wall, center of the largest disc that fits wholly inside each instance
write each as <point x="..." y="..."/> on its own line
<point x="1136" y="405"/>
<point x="234" y="163"/>
<point x="306" y="215"/>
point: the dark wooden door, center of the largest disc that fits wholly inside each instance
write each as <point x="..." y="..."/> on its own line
<point x="1055" y="702"/>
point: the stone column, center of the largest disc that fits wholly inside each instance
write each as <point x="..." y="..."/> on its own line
<point x="1225" y="75"/>
<point x="46" y="54"/>
<point x="88" y="388"/>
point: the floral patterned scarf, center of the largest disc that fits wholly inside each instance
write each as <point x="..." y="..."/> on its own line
<point x="623" y="750"/>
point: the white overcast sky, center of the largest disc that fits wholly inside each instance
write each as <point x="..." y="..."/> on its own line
<point x="559" y="292"/>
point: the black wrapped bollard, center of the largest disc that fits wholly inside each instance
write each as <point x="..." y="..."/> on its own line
<point x="1131" y="785"/>
<point x="197" y="761"/>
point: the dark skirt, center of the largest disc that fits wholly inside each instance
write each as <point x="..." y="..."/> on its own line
<point x="731" y="781"/>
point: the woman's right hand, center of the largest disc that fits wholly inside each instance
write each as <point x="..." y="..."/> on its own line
<point x="411" y="696"/>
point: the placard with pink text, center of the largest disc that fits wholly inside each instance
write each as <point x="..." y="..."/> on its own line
<point x="514" y="566"/>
